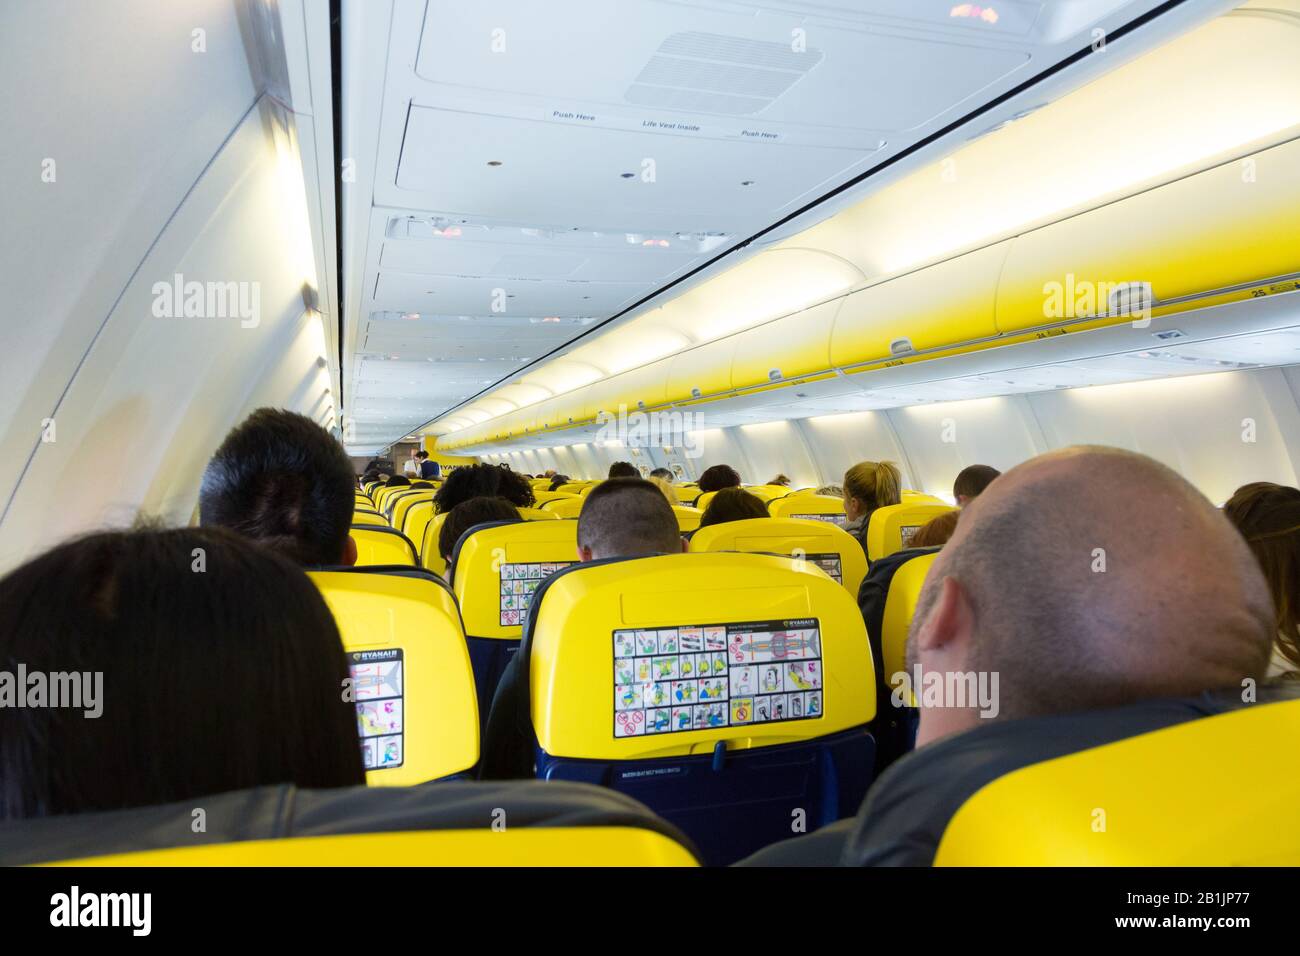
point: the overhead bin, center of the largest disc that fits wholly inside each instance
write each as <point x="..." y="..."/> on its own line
<point x="1235" y="224"/>
<point x="785" y="349"/>
<point x="702" y="372"/>
<point x="944" y="305"/>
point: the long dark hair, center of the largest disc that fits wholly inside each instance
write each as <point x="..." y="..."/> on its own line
<point x="221" y="668"/>
<point x="1268" y="517"/>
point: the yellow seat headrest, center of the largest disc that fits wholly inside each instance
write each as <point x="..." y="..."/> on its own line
<point x="1216" y="791"/>
<point x="900" y="606"/>
<point x="417" y="712"/>
<point x="666" y="656"/>
<point x="813" y="507"/>
<point x="891" y="527"/>
<point x="820" y="543"/>
<point x="498" y="569"/>
<point x="378" y="546"/>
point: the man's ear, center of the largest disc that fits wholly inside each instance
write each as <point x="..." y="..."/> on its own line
<point x="950" y="624"/>
<point x="584" y="554"/>
<point x="686" y="545"/>
<point x="349" y="552"/>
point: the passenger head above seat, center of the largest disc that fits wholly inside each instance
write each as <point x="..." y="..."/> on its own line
<point x="623" y="469"/>
<point x="717" y="478"/>
<point x="663" y="473"/>
<point x="469" y="513"/>
<point x="971" y="482"/>
<point x="557" y="480"/>
<point x="398" y="481"/>
<point x="1268" y="517"/>
<point x="626" y="518"/>
<point x="936" y="531"/>
<point x="869" y="485"/>
<point x="214" y="665"/>
<point x="284" y="481"/>
<point x="483" y="481"/>
<point x="1089" y="578"/>
<point x="733" y="504"/>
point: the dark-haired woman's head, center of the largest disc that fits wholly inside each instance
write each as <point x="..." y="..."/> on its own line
<point x="483" y="481"/>
<point x="717" y="478"/>
<point x="398" y="481"/>
<point x="1268" y="517"/>
<point x="623" y="469"/>
<point x="469" y="513"/>
<point x="557" y="480"/>
<point x="733" y="504"/>
<point x="219" y="668"/>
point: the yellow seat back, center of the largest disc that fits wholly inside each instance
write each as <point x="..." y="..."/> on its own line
<point x="688" y="519"/>
<point x="416" y="519"/>
<point x="1216" y="791"/>
<point x="369" y="517"/>
<point x="499" y="568"/>
<point x="376" y="545"/>
<point x="686" y="493"/>
<point x="483" y="846"/>
<point x="398" y="505"/>
<point x="569" y="506"/>
<point x="541" y="498"/>
<point x="891" y="528"/>
<point x="920" y="497"/>
<point x="703" y="500"/>
<point x="430" y="558"/>
<point x="900" y="606"/>
<point x="619" y="652"/>
<point x="810" y="506"/>
<point x="416" y="707"/>
<point x="819" y="543"/>
<point x="767" y="492"/>
<point x="572" y="488"/>
<point x="537" y="514"/>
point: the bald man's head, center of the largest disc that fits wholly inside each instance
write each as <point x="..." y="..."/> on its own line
<point x="1093" y="577"/>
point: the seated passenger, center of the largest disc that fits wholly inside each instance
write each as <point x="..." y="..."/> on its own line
<point x="971" y="481"/>
<point x="466" y="515"/>
<point x="1100" y="619"/>
<point x="869" y="485"/>
<point x="935" y="532"/>
<point x="733" y="504"/>
<point x="621" y="518"/>
<point x="834" y="491"/>
<point x="398" y="481"/>
<point x="557" y="481"/>
<point x="201" y="663"/>
<point x="421" y="484"/>
<point x="718" y="477"/>
<point x="1268" y="517"/>
<point x="483" y="481"/>
<point x="282" y="480"/>
<point x="781" y="481"/>
<point x="664" y="473"/>
<point x="623" y="469"/>
<point x="665" y="486"/>
<point x="372" y="474"/>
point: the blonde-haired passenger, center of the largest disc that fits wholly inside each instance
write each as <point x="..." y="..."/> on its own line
<point x="869" y="485"/>
<point x="666" y="487"/>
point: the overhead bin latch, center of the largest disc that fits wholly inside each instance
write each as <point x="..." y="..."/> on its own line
<point x="774" y="375"/>
<point x="696" y="393"/>
<point x="901" y="347"/>
<point x="1132" y="298"/>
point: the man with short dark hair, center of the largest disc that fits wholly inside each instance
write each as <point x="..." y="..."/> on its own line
<point x="623" y="469"/>
<point x="428" y="468"/>
<point x="626" y="518"/>
<point x="664" y="473"/>
<point x="971" y="482"/>
<point x="281" y="479"/>
<point x="620" y="518"/>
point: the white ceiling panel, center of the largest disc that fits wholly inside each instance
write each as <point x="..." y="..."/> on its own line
<point x="581" y="155"/>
